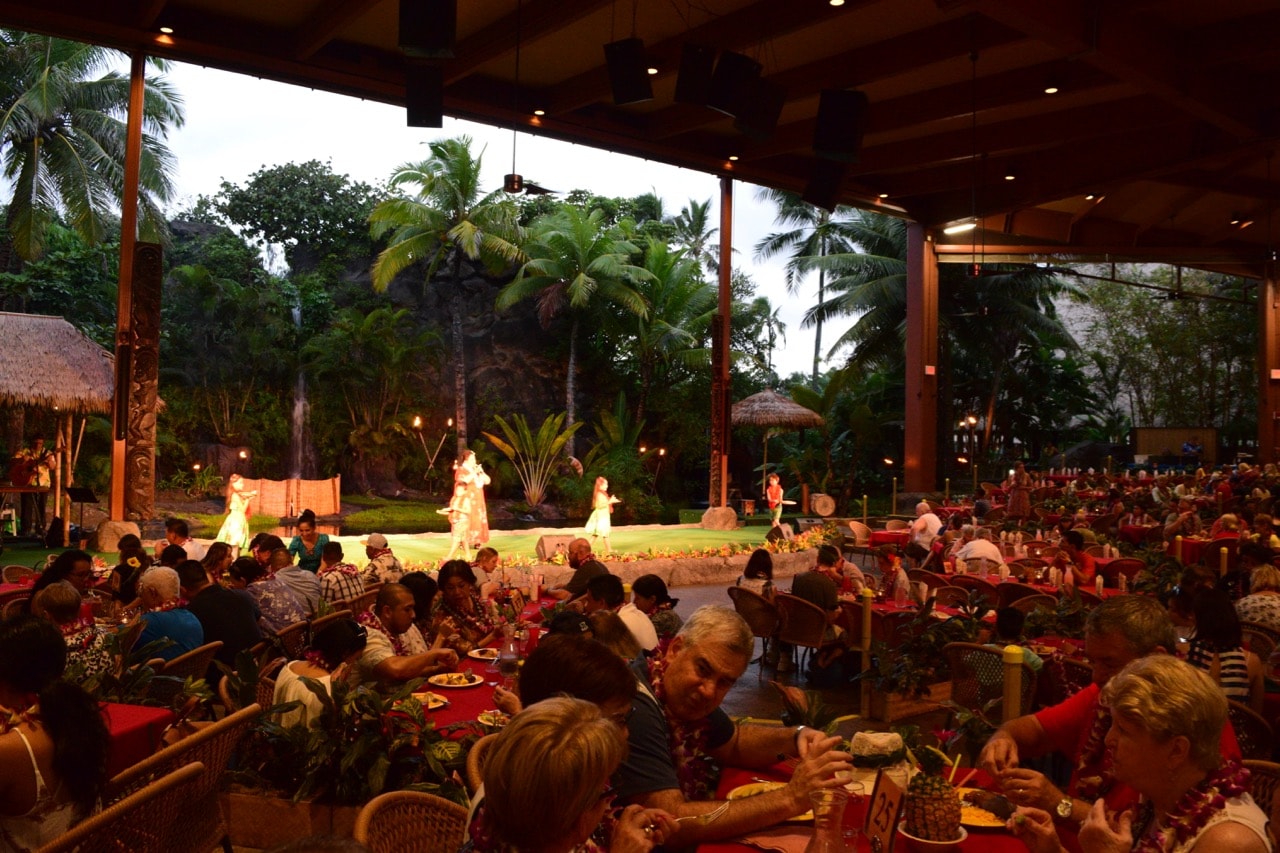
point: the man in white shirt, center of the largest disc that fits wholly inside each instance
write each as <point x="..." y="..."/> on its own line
<point x="176" y="532"/>
<point x="982" y="548"/>
<point x="604" y="592"/>
<point x="923" y="531"/>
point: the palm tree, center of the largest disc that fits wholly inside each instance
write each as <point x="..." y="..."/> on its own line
<point x="814" y="233"/>
<point x="449" y="219"/>
<point x="694" y="234"/>
<point x="574" y="265"/>
<point x="63" y="116"/>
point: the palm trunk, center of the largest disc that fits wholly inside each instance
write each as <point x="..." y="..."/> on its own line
<point x="817" y="327"/>
<point x="456" y="307"/>
<point x="569" y="383"/>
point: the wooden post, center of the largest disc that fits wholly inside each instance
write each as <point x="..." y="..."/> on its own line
<point x="864" y="510"/>
<point x="921" y="417"/>
<point x="1012" y="705"/>
<point x="1268" y="365"/>
<point x="864" y="702"/>
<point x="720" y="426"/>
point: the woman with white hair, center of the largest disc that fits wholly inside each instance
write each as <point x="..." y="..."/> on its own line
<point x="1167" y="720"/>
<point x="163" y="618"/>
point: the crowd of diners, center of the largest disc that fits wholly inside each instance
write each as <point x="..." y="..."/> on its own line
<point x="617" y="731"/>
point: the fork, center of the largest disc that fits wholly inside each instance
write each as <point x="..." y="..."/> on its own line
<point x="708" y="817"/>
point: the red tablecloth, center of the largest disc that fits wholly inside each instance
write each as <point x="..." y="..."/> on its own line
<point x="1192" y="549"/>
<point x="465" y="703"/>
<point x="979" y="840"/>
<point x="135" y="733"/>
<point x="890" y="537"/>
<point x="17" y="587"/>
<point x="1135" y="533"/>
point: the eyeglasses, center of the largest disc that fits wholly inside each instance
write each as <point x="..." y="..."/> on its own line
<point x="622" y="719"/>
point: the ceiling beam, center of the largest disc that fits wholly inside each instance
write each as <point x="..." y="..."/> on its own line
<point x="325" y="23"/>
<point x="537" y="19"/>
<point x="149" y="12"/>
<point x="1227" y="182"/>
<point x="1141" y="51"/>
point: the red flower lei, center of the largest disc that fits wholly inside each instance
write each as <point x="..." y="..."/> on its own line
<point x="1093" y="757"/>
<point x="373" y="623"/>
<point x="696" y="771"/>
<point x="1192" y="813"/>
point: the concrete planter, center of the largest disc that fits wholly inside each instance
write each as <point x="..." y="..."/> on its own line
<point x="261" y="821"/>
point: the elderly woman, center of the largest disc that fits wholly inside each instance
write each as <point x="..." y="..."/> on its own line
<point x="87" y="651"/>
<point x="1167" y="720"/>
<point x="458" y="614"/>
<point x="53" y="741"/>
<point x="547" y="787"/>
<point x="163" y="618"/>
<point x="1262" y="604"/>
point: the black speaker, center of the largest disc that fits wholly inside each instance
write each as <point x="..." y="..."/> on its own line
<point x="732" y="81"/>
<point x="428" y="28"/>
<point x="628" y="71"/>
<point x="551" y="544"/>
<point x="693" y="85"/>
<point x="842" y="119"/>
<point x="823" y="189"/>
<point x="758" y="114"/>
<point x="424" y="95"/>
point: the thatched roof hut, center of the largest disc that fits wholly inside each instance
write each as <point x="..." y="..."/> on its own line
<point x="49" y="363"/>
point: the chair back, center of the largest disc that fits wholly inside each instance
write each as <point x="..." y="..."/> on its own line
<point x="1073" y="676"/>
<point x="410" y="820"/>
<point x="1088" y="597"/>
<point x="1095" y="550"/>
<point x="861" y="534"/>
<point x="1034" y="602"/>
<point x="327" y="619"/>
<point x="1264" y="787"/>
<point x="1035" y="547"/>
<point x="292" y="640"/>
<point x="1127" y="566"/>
<point x="803" y="622"/>
<point x="986" y="588"/>
<point x="896" y="524"/>
<point x="977" y="678"/>
<point x="475" y="761"/>
<point x="1010" y="591"/>
<point x="891" y="627"/>
<point x="950" y="596"/>
<point x="926" y="577"/>
<point x="264" y="690"/>
<point x="14" y="606"/>
<point x="1211" y="556"/>
<point x="1253" y="732"/>
<point x="15" y="574"/>
<point x="1262" y="645"/>
<point x="758" y="612"/>
<point x="142" y="822"/>
<point x="993" y="516"/>
<point x="362" y="602"/>
<point x="1262" y="629"/>
<point x="167" y="684"/>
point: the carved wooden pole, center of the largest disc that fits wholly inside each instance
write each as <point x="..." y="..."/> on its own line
<point x="720" y="389"/>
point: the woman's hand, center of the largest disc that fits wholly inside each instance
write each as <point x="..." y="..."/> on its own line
<point x="1106" y="833"/>
<point x="1029" y="788"/>
<point x="506" y="701"/>
<point x="1035" y="829"/>
<point x="639" y="830"/>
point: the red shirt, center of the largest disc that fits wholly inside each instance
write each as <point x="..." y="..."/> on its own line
<point x="774" y="494"/>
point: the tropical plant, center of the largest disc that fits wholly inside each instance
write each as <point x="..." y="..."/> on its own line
<point x="693" y="233"/>
<point x="535" y="456"/>
<point x="449" y="219"/>
<point x="63" y="111"/>
<point x="575" y="263"/>
<point x="913" y="662"/>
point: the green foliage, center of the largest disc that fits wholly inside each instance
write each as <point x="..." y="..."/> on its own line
<point x="534" y="456"/>
<point x="806" y="708"/>
<point x="72" y="279"/>
<point x="364" y="743"/>
<point x="913" y="662"/>
<point x="1064" y="620"/>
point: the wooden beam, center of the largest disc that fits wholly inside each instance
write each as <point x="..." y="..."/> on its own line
<point x="537" y="19"/>
<point x="325" y="23"/>
<point x="920" y="444"/>
<point x="1269" y="366"/>
<point x="962" y="253"/>
<point x="149" y="12"/>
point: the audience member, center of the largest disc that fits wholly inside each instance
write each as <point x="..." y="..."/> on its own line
<point x="604" y="592"/>
<point x="88" y="655"/>
<point x="585" y="567"/>
<point x="1217" y="647"/>
<point x="223" y="615"/>
<point x="339" y="580"/>
<point x="652" y="599"/>
<point x="163" y="617"/>
<point x="278" y="605"/>
<point x="757" y="576"/>
<point x="177" y="532"/>
<point x="1262" y="604"/>
<point x="336" y="647"/>
<point x="304" y="584"/>
<point x="459" y="615"/>
<point x="383" y="566"/>
<point x="385" y="657"/>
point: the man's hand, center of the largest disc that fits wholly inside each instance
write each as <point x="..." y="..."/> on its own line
<point x="639" y="830"/>
<point x="1035" y="829"/>
<point x="1106" y="833"/>
<point x="1000" y="754"/>
<point x="819" y="764"/>
<point x="443" y="657"/>
<point x="1029" y="788"/>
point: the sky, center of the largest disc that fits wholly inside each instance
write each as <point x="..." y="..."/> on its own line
<point x="236" y="124"/>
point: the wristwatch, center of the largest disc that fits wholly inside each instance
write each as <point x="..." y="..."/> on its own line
<point x="1064" y="808"/>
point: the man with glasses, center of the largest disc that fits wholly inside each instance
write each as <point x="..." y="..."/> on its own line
<point x="677" y="732"/>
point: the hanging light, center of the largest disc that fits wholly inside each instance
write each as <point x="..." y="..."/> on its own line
<point x="514" y="182"/>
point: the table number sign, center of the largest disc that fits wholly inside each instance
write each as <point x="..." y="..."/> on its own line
<point x="882" y="814"/>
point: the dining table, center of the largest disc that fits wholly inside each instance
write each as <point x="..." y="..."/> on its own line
<point x="135" y="732"/>
<point x="891" y="537"/>
<point x="792" y="836"/>
<point x="1136" y="534"/>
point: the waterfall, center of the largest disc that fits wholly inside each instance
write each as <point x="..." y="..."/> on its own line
<point x="299" y="437"/>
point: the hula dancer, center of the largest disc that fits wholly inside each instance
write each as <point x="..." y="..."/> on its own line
<point x="773" y="496"/>
<point x="599" y="524"/>
<point x="459" y="512"/>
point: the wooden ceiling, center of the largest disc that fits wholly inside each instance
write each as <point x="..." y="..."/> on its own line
<point x="1160" y="142"/>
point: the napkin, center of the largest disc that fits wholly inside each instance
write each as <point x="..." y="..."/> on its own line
<point x="784" y="839"/>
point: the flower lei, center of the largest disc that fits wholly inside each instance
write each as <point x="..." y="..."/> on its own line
<point x="373" y="623"/>
<point x="340" y="568"/>
<point x="1092" y="757"/>
<point x="79" y="634"/>
<point x="473" y="623"/>
<point x="696" y="772"/>
<point x="11" y="719"/>
<point x="1194" y="811"/>
<point x="171" y="604"/>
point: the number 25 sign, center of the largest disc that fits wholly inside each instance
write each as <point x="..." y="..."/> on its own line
<point x="882" y="814"/>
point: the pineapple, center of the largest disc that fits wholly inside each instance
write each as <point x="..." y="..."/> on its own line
<point x="932" y="809"/>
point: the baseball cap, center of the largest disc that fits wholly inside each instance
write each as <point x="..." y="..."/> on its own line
<point x="375" y="540"/>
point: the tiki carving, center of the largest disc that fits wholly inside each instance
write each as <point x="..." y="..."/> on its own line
<point x="144" y="375"/>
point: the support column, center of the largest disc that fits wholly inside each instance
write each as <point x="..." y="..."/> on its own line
<point x="124" y="295"/>
<point x="920" y="451"/>
<point x="1269" y="365"/>
<point x="719" y="515"/>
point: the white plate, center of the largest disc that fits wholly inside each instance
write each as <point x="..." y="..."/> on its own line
<point x="455" y="680"/>
<point x="483" y="654"/>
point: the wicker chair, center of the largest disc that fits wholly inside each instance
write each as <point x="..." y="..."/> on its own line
<point x="861" y="541"/>
<point x="203" y="825"/>
<point x="1010" y="591"/>
<point x="475" y="761"/>
<point x="327" y="619"/>
<point x="409" y="820"/>
<point x="1264" y="786"/>
<point x="1033" y="602"/>
<point x="1035" y="547"/>
<point x="892" y="627"/>
<point x="128" y="636"/>
<point x="950" y="596"/>
<point x="977" y="677"/>
<point x="1258" y="627"/>
<point x="804" y="624"/>
<point x="1088" y="597"/>
<point x="362" y="602"/>
<point x="933" y="580"/>
<point x="14" y="606"/>
<point x="760" y="614"/>
<point x="896" y="524"/>
<point x="167" y="684"/>
<point x="1261" y="644"/>
<point x="125" y="826"/>
<point x="1253" y="732"/>
<point x="986" y="588"/>
<point x="291" y="641"/>
<point x="264" y="690"/>
<point x="15" y="574"/>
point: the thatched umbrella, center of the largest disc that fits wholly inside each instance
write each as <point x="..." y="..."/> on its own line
<point x="48" y="363"/>
<point x="771" y="410"/>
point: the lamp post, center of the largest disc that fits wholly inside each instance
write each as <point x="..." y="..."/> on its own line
<point x="972" y="423"/>
<point x="893" y="500"/>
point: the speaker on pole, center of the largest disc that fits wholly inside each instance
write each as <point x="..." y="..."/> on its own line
<point x="423" y="95"/>
<point x="428" y="28"/>
<point x="842" y="119"/>
<point x="628" y="71"/>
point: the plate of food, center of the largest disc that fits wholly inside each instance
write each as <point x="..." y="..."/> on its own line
<point x="755" y="788"/>
<point x="430" y="700"/>
<point x="494" y="719"/>
<point x="483" y="654"/>
<point x="979" y="808"/>
<point x="455" y="679"/>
